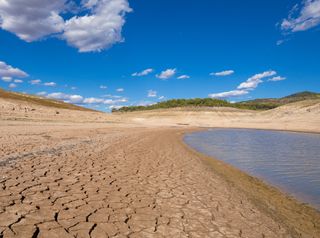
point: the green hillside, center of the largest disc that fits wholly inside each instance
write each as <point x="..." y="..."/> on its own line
<point x="257" y="104"/>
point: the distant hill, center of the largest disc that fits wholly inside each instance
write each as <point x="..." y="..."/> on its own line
<point x="257" y="104"/>
<point x="288" y="99"/>
<point x="40" y="100"/>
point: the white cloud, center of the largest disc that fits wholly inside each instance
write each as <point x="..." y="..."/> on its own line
<point x="109" y="102"/>
<point x="245" y="87"/>
<point x="32" y="20"/>
<point x="120" y="90"/>
<point x="75" y="99"/>
<point x="103" y="87"/>
<point x="97" y="26"/>
<point x="302" y="17"/>
<point x="145" y="103"/>
<point x="278" y="78"/>
<point x="43" y="93"/>
<point x="100" y="29"/>
<point x="12" y="85"/>
<point x="121" y="100"/>
<point x="35" y="81"/>
<point x="161" y="97"/>
<point x="115" y="107"/>
<point x="7" y="79"/>
<point x="93" y="100"/>
<point x="112" y="96"/>
<point x="66" y="97"/>
<point x="115" y="101"/>
<point x="142" y="73"/>
<point x="255" y="80"/>
<point x="7" y="71"/>
<point x="184" y="76"/>
<point x="50" y="84"/>
<point x="152" y="94"/>
<point x="223" y="73"/>
<point x="233" y="93"/>
<point x="166" y="74"/>
<point x="18" y="81"/>
<point x="73" y="88"/>
<point x="58" y="95"/>
<point x="78" y="99"/>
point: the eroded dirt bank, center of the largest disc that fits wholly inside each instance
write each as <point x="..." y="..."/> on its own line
<point x="93" y="180"/>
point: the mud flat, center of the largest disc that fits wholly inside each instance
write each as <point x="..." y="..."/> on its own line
<point x="103" y="180"/>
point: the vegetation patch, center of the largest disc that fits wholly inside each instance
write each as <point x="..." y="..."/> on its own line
<point x="257" y="104"/>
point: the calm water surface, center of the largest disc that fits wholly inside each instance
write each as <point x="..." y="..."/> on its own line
<point x="288" y="160"/>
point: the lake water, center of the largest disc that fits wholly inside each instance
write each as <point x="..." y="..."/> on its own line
<point x="287" y="160"/>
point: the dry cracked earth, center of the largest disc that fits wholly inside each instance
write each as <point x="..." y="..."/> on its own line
<point x="68" y="181"/>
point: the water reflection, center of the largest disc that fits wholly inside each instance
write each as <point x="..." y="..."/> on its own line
<point x="287" y="160"/>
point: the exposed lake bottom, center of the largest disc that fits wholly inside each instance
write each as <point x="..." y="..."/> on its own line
<point x="288" y="160"/>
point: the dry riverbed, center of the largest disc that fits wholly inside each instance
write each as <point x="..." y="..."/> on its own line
<point x="103" y="180"/>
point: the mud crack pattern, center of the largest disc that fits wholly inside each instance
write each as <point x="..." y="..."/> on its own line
<point x="101" y="183"/>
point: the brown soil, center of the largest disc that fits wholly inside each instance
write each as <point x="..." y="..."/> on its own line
<point x="89" y="174"/>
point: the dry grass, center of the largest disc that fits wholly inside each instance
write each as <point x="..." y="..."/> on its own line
<point x="40" y="101"/>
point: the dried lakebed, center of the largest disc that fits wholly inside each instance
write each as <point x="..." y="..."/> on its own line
<point x="94" y="180"/>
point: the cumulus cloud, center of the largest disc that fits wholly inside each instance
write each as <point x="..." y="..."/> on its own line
<point x="78" y="99"/>
<point x="32" y="20"/>
<point x="277" y="78"/>
<point x="12" y="85"/>
<point x="93" y="100"/>
<point x="255" y="80"/>
<point x="17" y="81"/>
<point x="233" y="93"/>
<point x="120" y="90"/>
<point x="103" y="87"/>
<point x="43" y="93"/>
<point x="166" y="74"/>
<point x="35" y="81"/>
<point x="74" y="99"/>
<point x="7" y="72"/>
<point x="161" y="97"/>
<point x="50" y="84"/>
<point x="112" y="96"/>
<point x="223" y="73"/>
<point x="94" y="26"/>
<point x="184" y="76"/>
<point x="302" y="17"/>
<point x="152" y="94"/>
<point x="142" y="73"/>
<point x="245" y="87"/>
<point x="6" y="79"/>
<point x="66" y="97"/>
<point x="115" y="101"/>
<point x="100" y="29"/>
<point x="144" y="103"/>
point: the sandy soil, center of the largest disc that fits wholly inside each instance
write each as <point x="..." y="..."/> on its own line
<point x="117" y="178"/>
<point x="301" y="116"/>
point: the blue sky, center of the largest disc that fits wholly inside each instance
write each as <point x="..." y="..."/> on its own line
<point x="236" y="50"/>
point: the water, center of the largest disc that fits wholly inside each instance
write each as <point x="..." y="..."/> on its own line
<point x="287" y="160"/>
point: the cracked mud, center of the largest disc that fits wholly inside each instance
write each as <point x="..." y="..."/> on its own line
<point x="124" y="182"/>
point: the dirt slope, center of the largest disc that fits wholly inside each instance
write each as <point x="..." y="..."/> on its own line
<point x="300" y="116"/>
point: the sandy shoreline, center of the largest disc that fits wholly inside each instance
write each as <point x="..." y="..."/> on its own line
<point x="271" y="200"/>
<point x="100" y="180"/>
